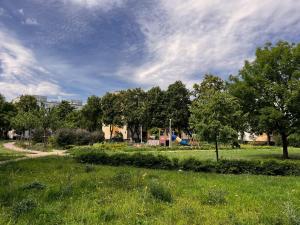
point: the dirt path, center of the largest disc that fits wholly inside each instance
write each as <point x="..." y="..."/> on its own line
<point x="29" y="154"/>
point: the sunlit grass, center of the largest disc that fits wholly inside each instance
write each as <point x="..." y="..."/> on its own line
<point x="75" y="193"/>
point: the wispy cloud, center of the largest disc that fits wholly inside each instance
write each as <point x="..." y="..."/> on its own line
<point x="105" y="5"/>
<point x="20" y="72"/>
<point x="184" y="38"/>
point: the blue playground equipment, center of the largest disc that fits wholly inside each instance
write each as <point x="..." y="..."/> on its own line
<point x="179" y="140"/>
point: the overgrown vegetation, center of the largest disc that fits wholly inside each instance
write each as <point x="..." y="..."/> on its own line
<point x="121" y="195"/>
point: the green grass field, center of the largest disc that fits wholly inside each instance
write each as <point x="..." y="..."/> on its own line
<point x="7" y="154"/>
<point x="246" y="152"/>
<point x="61" y="191"/>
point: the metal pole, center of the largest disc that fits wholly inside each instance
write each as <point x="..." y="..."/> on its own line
<point x="170" y="134"/>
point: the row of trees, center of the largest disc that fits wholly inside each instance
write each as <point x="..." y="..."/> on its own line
<point x="263" y="97"/>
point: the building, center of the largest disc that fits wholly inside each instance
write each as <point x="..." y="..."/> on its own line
<point x="257" y="139"/>
<point x="43" y="100"/>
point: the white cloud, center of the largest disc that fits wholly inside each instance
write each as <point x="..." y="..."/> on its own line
<point x="188" y="37"/>
<point x="30" y="21"/>
<point x="20" y="72"/>
<point x="21" y="11"/>
<point x="105" y="5"/>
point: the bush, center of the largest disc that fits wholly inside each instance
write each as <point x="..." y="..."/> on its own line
<point x="160" y="192"/>
<point x="82" y="137"/>
<point x="162" y="162"/>
<point x="96" y="137"/>
<point x="294" y="140"/>
<point x="38" y="135"/>
<point x="65" y="137"/>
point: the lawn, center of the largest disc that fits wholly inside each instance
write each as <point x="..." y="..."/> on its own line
<point x="7" y="154"/>
<point x="245" y="153"/>
<point x="60" y="191"/>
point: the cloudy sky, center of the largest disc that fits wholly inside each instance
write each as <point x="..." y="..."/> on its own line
<point x="76" y="48"/>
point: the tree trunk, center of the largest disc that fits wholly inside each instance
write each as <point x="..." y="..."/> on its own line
<point x="111" y="131"/>
<point x="285" y="154"/>
<point x="217" y="150"/>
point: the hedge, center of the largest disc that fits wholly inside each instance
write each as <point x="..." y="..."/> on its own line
<point x="151" y="161"/>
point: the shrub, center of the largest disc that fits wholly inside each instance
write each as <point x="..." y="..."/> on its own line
<point x="162" y="162"/>
<point x="23" y="207"/>
<point x="96" y="137"/>
<point x="160" y="192"/>
<point x="38" y="135"/>
<point x="82" y="137"/>
<point x="294" y="140"/>
<point x="65" y="137"/>
<point x="34" y="185"/>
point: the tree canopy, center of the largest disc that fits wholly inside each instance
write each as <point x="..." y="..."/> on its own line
<point x="268" y="89"/>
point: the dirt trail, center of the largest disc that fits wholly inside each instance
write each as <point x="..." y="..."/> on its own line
<point x="29" y="154"/>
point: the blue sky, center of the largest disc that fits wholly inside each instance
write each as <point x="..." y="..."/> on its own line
<point x="76" y="48"/>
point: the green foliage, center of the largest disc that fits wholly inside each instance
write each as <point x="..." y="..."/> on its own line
<point x="133" y="110"/>
<point x="160" y="192"/>
<point x="269" y="90"/>
<point x="65" y="137"/>
<point x="155" y="103"/>
<point x="216" y="117"/>
<point x="27" y="103"/>
<point x="83" y="137"/>
<point x="96" y="137"/>
<point x="161" y="162"/>
<point x="112" y="111"/>
<point x="177" y="103"/>
<point x="92" y="113"/>
<point x="7" y="112"/>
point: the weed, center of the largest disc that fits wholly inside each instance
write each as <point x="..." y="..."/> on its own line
<point x="36" y="185"/>
<point x="160" y="192"/>
<point x="24" y="206"/>
<point x="215" y="197"/>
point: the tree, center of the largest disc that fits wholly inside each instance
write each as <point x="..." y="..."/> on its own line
<point x="155" y="108"/>
<point x="7" y="112"/>
<point x="63" y="110"/>
<point x="268" y="89"/>
<point x="209" y="85"/>
<point x="111" y="108"/>
<point x="92" y="113"/>
<point x="133" y="110"/>
<point x="27" y="103"/>
<point x="47" y="119"/>
<point x="25" y="121"/>
<point x="214" y="118"/>
<point x="177" y="103"/>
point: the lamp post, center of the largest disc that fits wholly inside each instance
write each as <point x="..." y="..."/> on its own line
<point x="170" y="133"/>
<point x="141" y="134"/>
